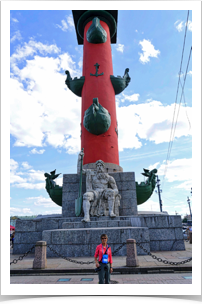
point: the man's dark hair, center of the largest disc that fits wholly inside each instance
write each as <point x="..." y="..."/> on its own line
<point x="104" y="235"/>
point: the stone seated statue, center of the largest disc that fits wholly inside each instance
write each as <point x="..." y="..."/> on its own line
<point x="102" y="196"/>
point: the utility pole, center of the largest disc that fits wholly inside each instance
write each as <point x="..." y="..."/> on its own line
<point x="159" y="193"/>
<point x="188" y="201"/>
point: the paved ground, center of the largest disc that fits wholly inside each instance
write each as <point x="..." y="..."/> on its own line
<point x="173" y="278"/>
<point x="60" y="272"/>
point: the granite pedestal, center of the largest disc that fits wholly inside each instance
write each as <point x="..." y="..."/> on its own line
<point x="72" y="238"/>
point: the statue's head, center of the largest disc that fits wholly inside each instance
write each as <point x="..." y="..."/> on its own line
<point x="100" y="166"/>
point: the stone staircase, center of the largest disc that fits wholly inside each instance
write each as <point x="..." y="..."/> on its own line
<point x="77" y="239"/>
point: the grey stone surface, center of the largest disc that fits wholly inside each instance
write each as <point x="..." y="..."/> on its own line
<point x="161" y="232"/>
<point x="25" y="225"/>
<point x="109" y="167"/>
<point x="40" y="260"/>
<point x="96" y="224"/>
<point x="77" y="239"/>
<point x="131" y="259"/>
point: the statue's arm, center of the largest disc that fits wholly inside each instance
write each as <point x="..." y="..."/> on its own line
<point x="79" y="164"/>
<point x="113" y="185"/>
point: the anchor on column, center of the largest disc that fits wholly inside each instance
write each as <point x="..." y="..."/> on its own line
<point x="96" y="73"/>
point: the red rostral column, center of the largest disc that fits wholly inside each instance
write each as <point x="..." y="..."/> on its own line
<point x="96" y="30"/>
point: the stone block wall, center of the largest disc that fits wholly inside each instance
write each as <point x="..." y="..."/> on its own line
<point x="165" y="231"/>
<point x="83" y="242"/>
<point x="127" y="188"/>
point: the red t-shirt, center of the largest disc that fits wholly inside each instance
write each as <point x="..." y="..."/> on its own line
<point x="99" y="252"/>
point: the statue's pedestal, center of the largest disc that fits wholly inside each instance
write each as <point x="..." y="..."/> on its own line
<point x="78" y="242"/>
<point x="69" y="236"/>
<point x="72" y="238"/>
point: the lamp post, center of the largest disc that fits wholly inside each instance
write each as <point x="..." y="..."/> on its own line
<point x="159" y="193"/>
<point x="188" y="201"/>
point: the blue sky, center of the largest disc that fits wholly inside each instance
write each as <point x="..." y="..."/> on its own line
<point x="45" y="115"/>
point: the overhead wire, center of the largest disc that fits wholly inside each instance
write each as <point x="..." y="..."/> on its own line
<point x="181" y="97"/>
<point x="172" y="133"/>
<point x="185" y="107"/>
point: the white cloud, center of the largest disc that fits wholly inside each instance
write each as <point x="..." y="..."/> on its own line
<point x="133" y="97"/>
<point x="180" y="25"/>
<point x="35" y="175"/>
<point x="35" y="90"/>
<point x="150" y="121"/>
<point x="13" y="165"/>
<point x="14" y="177"/>
<point x="150" y="205"/>
<point x="35" y="151"/>
<point x="15" y="211"/>
<point x="186" y="185"/>
<point x="179" y="170"/>
<point x="190" y="26"/>
<point x="70" y="21"/>
<point x="16" y="36"/>
<point x="66" y="24"/>
<point x="14" y="20"/>
<point x="148" y="51"/>
<point x="37" y="186"/>
<point x="30" y="49"/>
<point x="25" y="165"/>
<point x="42" y="201"/>
<point x="20" y="211"/>
<point x="120" y="47"/>
<point x="80" y="63"/>
<point x="27" y="211"/>
<point x="154" y="166"/>
<point x="29" y="178"/>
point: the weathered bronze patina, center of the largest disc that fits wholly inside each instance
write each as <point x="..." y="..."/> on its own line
<point x="145" y="189"/>
<point x="96" y="34"/>
<point x="54" y="191"/>
<point x="97" y="119"/>
<point x="120" y="83"/>
<point x="76" y="84"/>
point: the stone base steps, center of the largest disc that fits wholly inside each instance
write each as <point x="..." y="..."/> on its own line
<point x="165" y="231"/>
<point x="96" y="224"/>
<point x="83" y="241"/>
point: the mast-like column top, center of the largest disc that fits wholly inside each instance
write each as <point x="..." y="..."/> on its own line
<point x="81" y="18"/>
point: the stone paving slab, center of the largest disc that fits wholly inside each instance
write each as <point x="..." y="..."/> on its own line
<point x="116" y="279"/>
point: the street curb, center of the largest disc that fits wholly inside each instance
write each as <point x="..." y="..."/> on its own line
<point x="120" y="270"/>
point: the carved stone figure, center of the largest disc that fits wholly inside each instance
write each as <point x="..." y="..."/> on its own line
<point x="102" y="196"/>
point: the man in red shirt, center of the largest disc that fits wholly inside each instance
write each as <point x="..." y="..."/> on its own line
<point x="104" y="261"/>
